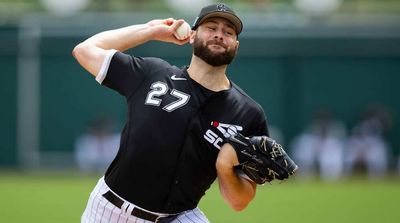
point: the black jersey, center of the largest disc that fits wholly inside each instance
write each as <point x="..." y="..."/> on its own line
<point x="174" y="129"/>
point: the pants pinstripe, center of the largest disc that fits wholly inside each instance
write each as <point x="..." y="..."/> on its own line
<point x="100" y="210"/>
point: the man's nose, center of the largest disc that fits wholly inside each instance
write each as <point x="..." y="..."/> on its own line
<point x="218" y="36"/>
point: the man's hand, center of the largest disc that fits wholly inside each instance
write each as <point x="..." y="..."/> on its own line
<point x="164" y="29"/>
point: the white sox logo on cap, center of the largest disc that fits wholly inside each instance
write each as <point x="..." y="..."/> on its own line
<point x="222" y="7"/>
<point x="218" y="10"/>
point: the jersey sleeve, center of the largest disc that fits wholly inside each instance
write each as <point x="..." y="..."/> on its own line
<point x="263" y="127"/>
<point x="259" y="124"/>
<point x="121" y="72"/>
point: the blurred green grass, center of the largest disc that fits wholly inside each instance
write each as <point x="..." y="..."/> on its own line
<point x="61" y="197"/>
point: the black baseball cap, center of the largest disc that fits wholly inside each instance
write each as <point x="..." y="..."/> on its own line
<point x="218" y="10"/>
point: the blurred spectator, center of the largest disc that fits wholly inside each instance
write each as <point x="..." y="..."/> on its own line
<point x="95" y="149"/>
<point x="319" y="149"/>
<point x="367" y="149"/>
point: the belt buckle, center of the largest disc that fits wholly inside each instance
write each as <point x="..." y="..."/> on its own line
<point x="165" y="219"/>
<point x="157" y="219"/>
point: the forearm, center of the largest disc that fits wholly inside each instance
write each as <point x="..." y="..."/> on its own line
<point x="91" y="52"/>
<point x="122" y="39"/>
<point x="236" y="191"/>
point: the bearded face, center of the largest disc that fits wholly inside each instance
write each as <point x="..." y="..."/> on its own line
<point x="203" y="50"/>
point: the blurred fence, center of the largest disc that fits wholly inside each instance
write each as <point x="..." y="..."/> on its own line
<point x="292" y="70"/>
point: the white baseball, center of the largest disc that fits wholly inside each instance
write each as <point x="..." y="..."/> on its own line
<point x="183" y="31"/>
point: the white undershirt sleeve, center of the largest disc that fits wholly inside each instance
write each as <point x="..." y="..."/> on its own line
<point x="104" y="67"/>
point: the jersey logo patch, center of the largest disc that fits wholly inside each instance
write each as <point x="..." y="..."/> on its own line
<point x="175" y="78"/>
<point x="227" y="131"/>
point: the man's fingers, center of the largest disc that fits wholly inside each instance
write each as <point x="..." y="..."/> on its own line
<point x="176" y="24"/>
<point x="169" y="21"/>
<point x="181" y="42"/>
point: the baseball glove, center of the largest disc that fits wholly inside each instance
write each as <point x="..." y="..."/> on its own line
<point x="261" y="158"/>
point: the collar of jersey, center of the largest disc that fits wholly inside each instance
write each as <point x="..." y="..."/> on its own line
<point x="186" y="75"/>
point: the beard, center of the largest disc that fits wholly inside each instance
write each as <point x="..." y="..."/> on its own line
<point x="214" y="59"/>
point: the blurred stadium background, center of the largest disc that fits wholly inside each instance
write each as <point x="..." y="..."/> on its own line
<point x="296" y="58"/>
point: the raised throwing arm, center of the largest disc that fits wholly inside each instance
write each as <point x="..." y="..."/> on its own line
<point x="91" y="52"/>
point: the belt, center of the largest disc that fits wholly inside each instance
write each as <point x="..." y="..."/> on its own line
<point x="115" y="200"/>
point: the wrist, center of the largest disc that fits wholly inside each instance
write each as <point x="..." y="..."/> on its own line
<point x="157" y="28"/>
<point x="151" y="31"/>
<point x="223" y="164"/>
<point x="226" y="159"/>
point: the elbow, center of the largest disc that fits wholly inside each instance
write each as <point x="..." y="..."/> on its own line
<point x="239" y="206"/>
<point x="241" y="203"/>
<point x="78" y="50"/>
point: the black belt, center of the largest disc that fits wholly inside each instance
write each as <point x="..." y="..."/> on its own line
<point x="115" y="200"/>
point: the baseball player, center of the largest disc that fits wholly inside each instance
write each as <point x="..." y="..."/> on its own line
<point x="174" y="143"/>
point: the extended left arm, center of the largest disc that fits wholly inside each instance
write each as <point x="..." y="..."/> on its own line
<point x="236" y="191"/>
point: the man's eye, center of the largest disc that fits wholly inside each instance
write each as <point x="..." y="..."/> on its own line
<point x="211" y="28"/>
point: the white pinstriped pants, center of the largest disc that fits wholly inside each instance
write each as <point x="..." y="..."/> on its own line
<point x="100" y="210"/>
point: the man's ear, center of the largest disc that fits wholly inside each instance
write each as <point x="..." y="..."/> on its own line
<point x="192" y="36"/>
